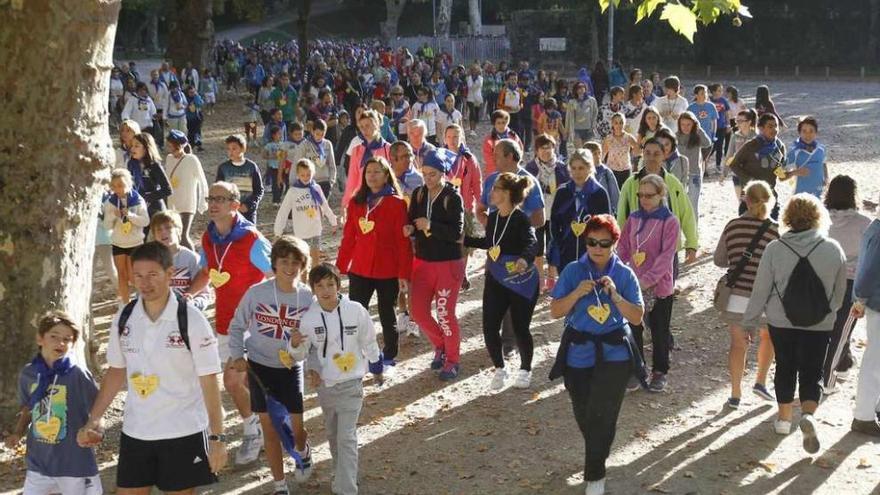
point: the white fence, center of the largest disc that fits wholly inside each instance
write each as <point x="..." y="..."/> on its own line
<point x="463" y="49"/>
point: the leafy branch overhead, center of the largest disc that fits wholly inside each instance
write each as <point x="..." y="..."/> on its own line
<point x="683" y="16"/>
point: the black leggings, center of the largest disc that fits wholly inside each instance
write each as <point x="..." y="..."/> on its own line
<point x="800" y="355"/>
<point x="497" y="300"/>
<point x="596" y="395"/>
<point x="621" y="176"/>
<point x="360" y="289"/>
<point x="658" y="321"/>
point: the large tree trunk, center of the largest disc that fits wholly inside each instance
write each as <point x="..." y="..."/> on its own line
<point x="51" y="180"/>
<point x="302" y="31"/>
<point x="594" y="34"/>
<point x="444" y="18"/>
<point x="475" y="16"/>
<point x="873" y="47"/>
<point x="153" y="31"/>
<point x="393" y="10"/>
<point x="190" y="32"/>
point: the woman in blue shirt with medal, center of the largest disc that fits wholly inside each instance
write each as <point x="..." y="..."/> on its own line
<point x="599" y="297"/>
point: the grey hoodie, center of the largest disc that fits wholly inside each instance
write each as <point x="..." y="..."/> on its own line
<point x="848" y="227"/>
<point x="777" y="263"/>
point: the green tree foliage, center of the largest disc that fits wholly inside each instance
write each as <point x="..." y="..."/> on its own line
<point x="684" y="16"/>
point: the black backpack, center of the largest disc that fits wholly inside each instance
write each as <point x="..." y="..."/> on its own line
<point x="182" y="322"/>
<point x="804" y="301"/>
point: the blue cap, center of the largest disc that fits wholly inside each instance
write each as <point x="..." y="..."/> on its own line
<point x="177" y="137"/>
<point x="441" y="158"/>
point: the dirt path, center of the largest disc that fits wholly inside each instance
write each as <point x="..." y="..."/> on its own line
<point x="419" y="435"/>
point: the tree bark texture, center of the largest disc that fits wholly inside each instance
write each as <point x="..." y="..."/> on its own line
<point x="51" y="173"/>
<point x="302" y="31"/>
<point x="393" y="10"/>
<point x="190" y="33"/>
<point x="475" y="17"/>
<point x="444" y="18"/>
<point x="874" y="34"/>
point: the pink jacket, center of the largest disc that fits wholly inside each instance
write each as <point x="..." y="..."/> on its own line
<point x="467" y="170"/>
<point x="657" y="239"/>
<point x="356" y="173"/>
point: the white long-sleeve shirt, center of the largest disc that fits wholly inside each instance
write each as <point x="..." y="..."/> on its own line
<point x="339" y="343"/>
<point x="299" y="203"/>
<point x="670" y="109"/>
<point x="189" y="186"/>
<point x="137" y="218"/>
<point x="159" y="94"/>
<point x="140" y="110"/>
<point x="475" y="89"/>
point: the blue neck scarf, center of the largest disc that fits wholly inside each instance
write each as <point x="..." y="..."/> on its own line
<point x="369" y="148"/>
<point x="581" y="197"/>
<point x="463" y="152"/>
<point x="131" y="199"/>
<point x="661" y="213"/>
<point x="591" y="269"/>
<point x="313" y="188"/>
<point x="374" y="197"/>
<point x="176" y="96"/>
<point x="808" y="147"/>
<point x="46" y="375"/>
<point x="504" y="135"/>
<point x="768" y="147"/>
<point x="319" y="146"/>
<point x="672" y="159"/>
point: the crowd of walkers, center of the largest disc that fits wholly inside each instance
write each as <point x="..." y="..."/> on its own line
<point x="586" y="191"/>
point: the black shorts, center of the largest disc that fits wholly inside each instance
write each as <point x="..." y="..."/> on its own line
<point x="170" y="465"/>
<point x="543" y="235"/>
<point x="285" y="385"/>
<point x="121" y="251"/>
<point x="473" y="112"/>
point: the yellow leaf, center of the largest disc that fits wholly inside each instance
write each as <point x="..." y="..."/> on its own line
<point x="646" y="8"/>
<point x="604" y="4"/>
<point x="681" y="19"/>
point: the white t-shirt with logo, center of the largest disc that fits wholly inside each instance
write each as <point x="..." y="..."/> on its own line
<point x="164" y="398"/>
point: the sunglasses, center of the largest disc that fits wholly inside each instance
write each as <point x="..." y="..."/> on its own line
<point x="646" y="195"/>
<point x="603" y="243"/>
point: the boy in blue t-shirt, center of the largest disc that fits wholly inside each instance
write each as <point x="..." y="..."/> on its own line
<point x="723" y="131"/>
<point x="56" y="396"/>
<point x="706" y="114"/>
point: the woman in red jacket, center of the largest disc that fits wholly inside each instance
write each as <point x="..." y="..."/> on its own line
<point x="374" y="252"/>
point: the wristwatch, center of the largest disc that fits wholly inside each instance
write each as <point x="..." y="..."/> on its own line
<point x="217" y="438"/>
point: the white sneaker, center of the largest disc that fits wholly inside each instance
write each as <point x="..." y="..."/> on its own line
<point x="596" y="487"/>
<point x="302" y="474"/>
<point x="403" y="322"/>
<point x="251" y="444"/>
<point x="808" y="432"/>
<point x="498" y="379"/>
<point x="523" y="379"/>
<point x="782" y="427"/>
<point x="413" y="330"/>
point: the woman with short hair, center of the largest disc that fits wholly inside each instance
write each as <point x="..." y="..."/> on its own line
<point x="816" y="293"/>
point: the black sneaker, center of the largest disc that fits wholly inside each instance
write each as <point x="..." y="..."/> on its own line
<point x="871" y="428"/>
<point x="633" y="384"/>
<point x="733" y="402"/>
<point x="761" y="391"/>
<point x="439" y="359"/>
<point x="465" y="284"/>
<point x="658" y="382"/>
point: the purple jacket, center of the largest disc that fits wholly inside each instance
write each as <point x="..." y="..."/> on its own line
<point x="655" y="236"/>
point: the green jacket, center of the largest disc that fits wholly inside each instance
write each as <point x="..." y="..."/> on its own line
<point x="677" y="200"/>
<point x="286" y="101"/>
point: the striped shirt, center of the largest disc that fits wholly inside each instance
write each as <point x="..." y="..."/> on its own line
<point x="735" y="238"/>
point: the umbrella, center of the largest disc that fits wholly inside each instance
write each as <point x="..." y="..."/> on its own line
<point x="280" y="421"/>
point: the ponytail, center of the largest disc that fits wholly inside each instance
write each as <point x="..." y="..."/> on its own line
<point x="760" y="199"/>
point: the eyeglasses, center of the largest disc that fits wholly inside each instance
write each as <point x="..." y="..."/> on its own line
<point x="396" y="94"/>
<point x="646" y="195"/>
<point x="603" y="243"/>
<point x="219" y="199"/>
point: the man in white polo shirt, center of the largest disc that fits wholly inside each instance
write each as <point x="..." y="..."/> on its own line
<point x="172" y="426"/>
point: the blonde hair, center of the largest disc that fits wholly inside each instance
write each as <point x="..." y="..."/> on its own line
<point x="804" y="212"/>
<point x="759" y="198"/>
<point x="658" y="183"/>
<point x="132" y="126"/>
<point x="122" y="174"/>
<point x="305" y="163"/>
<point x="165" y="217"/>
<point x="583" y="155"/>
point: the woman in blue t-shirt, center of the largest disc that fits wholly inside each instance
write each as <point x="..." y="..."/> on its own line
<point x="807" y="156"/>
<point x="599" y="297"/>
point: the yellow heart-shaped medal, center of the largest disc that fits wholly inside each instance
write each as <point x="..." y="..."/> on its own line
<point x="456" y="181"/>
<point x="366" y="225"/>
<point x="144" y="385"/>
<point x="285" y="358"/>
<point x="494" y="252"/>
<point x="578" y="228"/>
<point x="175" y="182"/>
<point x="310" y="212"/>
<point x="599" y="312"/>
<point x="126" y="227"/>
<point x="639" y="257"/>
<point x="510" y="266"/>
<point x="48" y="429"/>
<point x="218" y="278"/>
<point x="780" y="172"/>
<point x="345" y="362"/>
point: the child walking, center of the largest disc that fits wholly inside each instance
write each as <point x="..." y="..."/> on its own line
<point x="337" y="336"/>
<point x="125" y="213"/>
<point x="305" y="203"/>
<point x="56" y="396"/>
